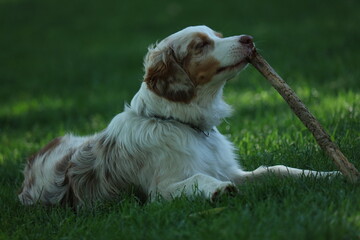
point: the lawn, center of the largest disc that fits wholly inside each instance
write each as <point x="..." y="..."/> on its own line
<point x="70" y="66"/>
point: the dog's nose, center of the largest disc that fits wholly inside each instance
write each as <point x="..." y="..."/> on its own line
<point x="246" y="39"/>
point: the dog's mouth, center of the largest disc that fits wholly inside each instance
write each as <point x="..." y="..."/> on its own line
<point x="238" y="65"/>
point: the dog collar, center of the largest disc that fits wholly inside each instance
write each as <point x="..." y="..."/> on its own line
<point x="196" y="128"/>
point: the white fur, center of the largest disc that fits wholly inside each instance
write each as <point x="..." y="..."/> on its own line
<point x="153" y="146"/>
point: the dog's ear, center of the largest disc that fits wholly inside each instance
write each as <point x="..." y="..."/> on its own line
<point x="165" y="76"/>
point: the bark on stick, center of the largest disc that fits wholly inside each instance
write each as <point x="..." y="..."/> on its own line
<point x="301" y="111"/>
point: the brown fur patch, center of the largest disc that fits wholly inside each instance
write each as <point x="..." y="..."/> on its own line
<point x="62" y="165"/>
<point x="167" y="79"/>
<point x="81" y="177"/>
<point x="204" y="37"/>
<point x="45" y="150"/>
<point x="69" y="199"/>
<point x="199" y="39"/>
<point x="66" y="178"/>
<point x="202" y="72"/>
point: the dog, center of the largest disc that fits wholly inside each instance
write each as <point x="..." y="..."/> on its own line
<point x="165" y="143"/>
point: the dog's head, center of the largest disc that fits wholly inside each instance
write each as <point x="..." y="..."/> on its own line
<point x="192" y="59"/>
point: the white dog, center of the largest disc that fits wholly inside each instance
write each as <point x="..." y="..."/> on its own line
<point x="165" y="142"/>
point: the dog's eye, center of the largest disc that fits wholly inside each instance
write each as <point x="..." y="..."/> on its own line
<point x="201" y="45"/>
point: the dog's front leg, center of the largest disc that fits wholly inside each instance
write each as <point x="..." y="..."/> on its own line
<point x="280" y="170"/>
<point x="199" y="184"/>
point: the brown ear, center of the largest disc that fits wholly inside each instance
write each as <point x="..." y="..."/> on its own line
<point x="167" y="78"/>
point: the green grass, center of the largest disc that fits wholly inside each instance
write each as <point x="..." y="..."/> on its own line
<point x="69" y="66"/>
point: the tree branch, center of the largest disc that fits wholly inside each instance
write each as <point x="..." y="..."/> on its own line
<point x="298" y="107"/>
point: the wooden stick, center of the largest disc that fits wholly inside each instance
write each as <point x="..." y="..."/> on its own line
<point x="322" y="138"/>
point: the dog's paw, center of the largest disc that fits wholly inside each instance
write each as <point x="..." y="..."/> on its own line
<point x="228" y="189"/>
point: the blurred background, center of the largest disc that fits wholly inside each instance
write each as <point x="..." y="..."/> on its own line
<point x="71" y="65"/>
